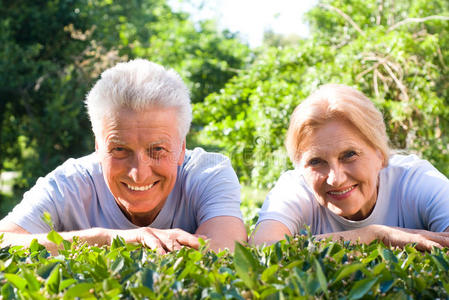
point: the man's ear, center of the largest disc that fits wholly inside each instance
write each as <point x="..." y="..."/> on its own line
<point x="182" y="153"/>
<point x="96" y="145"/>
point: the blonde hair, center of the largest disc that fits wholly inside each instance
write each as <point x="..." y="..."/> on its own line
<point x="336" y="101"/>
<point x="139" y="84"/>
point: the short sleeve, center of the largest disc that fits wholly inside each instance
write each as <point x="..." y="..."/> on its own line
<point x="289" y="202"/>
<point x="213" y="186"/>
<point x="426" y="195"/>
<point x="59" y="193"/>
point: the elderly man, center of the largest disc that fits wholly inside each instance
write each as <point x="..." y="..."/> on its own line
<point x="140" y="183"/>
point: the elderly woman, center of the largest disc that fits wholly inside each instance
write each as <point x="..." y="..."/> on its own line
<point x="346" y="185"/>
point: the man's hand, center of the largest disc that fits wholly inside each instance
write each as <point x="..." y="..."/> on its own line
<point x="161" y="240"/>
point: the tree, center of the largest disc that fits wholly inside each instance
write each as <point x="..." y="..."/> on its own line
<point x="52" y="51"/>
<point x="394" y="52"/>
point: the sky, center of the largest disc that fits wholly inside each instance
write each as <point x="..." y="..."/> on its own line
<point x="251" y="17"/>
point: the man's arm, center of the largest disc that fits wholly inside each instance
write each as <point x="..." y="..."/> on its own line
<point x="270" y="231"/>
<point x="162" y="240"/>
<point x="223" y="232"/>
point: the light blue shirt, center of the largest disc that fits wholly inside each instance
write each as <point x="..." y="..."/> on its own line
<point x="412" y="194"/>
<point x="77" y="197"/>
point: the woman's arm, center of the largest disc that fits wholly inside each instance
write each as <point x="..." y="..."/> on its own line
<point x="270" y="231"/>
<point x="394" y="236"/>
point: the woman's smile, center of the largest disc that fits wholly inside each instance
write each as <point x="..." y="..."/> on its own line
<point x="342" y="169"/>
<point x="342" y="193"/>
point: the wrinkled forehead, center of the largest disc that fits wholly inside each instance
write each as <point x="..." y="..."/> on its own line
<point x="151" y="119"/>
<point x="329" y="136"/>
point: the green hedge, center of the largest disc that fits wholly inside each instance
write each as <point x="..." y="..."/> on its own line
<point x="299" y="268"/>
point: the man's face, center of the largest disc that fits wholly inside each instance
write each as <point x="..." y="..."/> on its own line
<point x="139" y="154"/>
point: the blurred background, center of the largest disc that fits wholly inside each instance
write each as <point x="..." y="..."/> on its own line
<point x="247" y="64"/>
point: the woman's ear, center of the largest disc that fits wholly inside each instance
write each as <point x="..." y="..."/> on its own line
<point x="383" y="159"/>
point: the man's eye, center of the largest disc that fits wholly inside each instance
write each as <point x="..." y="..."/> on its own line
<point x="314" y="162"/>
<point x="157" y="152"/>
<point x="119" y="152"/>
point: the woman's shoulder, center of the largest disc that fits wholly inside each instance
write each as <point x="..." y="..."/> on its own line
<point x="291" y="186"/>
<point x="291" y="179"/>
<point x="408" y="162"/>
<point x="407" y="167"/>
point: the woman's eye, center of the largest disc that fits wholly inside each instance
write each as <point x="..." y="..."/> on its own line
<point x="349" y="154"/>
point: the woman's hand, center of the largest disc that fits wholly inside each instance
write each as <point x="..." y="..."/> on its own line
<point x="425" y="240"/>
<point x="270" y="231"/>
<point x="393" y="236"/>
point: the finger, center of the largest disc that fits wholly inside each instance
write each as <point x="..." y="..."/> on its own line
<point x="187" y="239"/>
<point x="153" y="243"/>
<point x="173" y="245"/>
<point x="440" y="238"/>
<point x="204" y="237"/>
<point x="426" y="240"/>
<point x="427" y="245"/>
<point x="176" y="246"/>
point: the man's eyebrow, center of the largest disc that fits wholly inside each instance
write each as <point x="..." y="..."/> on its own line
<point x="162" y="141"/>
<point x="116" y="141"/>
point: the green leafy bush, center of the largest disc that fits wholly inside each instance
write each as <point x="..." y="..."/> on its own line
<point x="297" y="268"/>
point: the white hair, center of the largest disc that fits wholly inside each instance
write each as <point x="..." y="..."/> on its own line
<point x="138" y="84"/>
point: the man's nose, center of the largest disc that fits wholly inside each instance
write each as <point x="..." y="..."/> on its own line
<point x="140" y="169"/>
<point x="336" y="175"/>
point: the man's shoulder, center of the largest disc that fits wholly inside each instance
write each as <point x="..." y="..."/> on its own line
<point x="84" y="166"/>
<point x="199" y="160"/>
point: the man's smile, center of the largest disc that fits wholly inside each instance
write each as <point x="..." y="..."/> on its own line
<point x="141" y="188"/>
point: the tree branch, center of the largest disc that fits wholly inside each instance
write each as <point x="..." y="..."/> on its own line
<point x="418" y="20"/>
<point x="400" y="85"/>
<point x="345" y="16"/>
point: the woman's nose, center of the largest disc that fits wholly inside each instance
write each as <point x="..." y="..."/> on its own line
<point x="336" y="176"/>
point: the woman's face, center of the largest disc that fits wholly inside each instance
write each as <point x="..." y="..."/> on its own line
<point x="342" y="168"/>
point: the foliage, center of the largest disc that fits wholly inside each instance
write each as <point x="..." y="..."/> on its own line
<point x="51" y="52"/>
<point x="393" y="51"/>
<point x="300" y="267"/>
